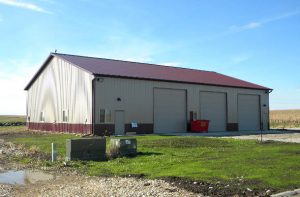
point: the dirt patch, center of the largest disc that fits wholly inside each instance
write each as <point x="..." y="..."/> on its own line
<point x="9" y="152"/>
<point x="231" y="188"/>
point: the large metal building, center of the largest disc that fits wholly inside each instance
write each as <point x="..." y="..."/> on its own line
<point x="81" y="94"/>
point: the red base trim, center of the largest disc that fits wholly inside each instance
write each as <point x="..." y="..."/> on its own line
<point x="61" y="127"/>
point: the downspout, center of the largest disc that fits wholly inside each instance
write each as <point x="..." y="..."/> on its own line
<point x="269" y="91"/>
<point x="93" y="105"/>
<point x="27" y="119"/>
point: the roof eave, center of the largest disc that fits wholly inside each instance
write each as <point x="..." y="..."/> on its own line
<point x="40" y="70"/>
<point x="50" y="57"/>
<point x="151" y="79"/>
<point x="58" y="55"/>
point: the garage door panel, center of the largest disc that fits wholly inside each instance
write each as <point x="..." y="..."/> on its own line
<point x="213" y="108"/>
<point x="249" y="112"/>
<point x="169" y="110"/>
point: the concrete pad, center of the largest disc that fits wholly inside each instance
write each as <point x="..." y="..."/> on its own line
<point x="227" y="133"/>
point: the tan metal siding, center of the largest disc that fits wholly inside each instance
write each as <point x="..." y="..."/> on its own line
<point x="61" y="86"/>
<point x="137" y="98"/>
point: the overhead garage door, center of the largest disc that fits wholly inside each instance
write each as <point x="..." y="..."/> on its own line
<point x="248" y="112"/>
<point x="213" y="108"/>
<point x="169" y="110"/>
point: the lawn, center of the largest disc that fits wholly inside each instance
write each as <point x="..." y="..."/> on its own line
<point x="12" y="129"/>
<point x="271" y="164"/>
<point x="12" y="118"/>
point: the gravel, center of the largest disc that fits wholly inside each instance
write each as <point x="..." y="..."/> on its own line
<point x="286" y="137"/>
<point x="79" y="185"/>
<point x="10" y="149"/>
<point x="5" y="190"/>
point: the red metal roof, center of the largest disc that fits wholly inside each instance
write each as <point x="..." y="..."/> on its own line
<point x="126" y="69"/>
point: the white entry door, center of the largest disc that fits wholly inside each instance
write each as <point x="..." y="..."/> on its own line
<point x="119" y="122"/>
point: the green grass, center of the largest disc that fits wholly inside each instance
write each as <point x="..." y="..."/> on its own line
<point x="43" y="142"/>
<point x="12" y="118"/>
<point x="271" y="164"/>
<point x="12" y="129"/>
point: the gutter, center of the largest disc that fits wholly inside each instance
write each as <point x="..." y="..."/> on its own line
<point x="93" y="105"/>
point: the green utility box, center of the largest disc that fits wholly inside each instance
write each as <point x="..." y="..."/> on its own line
<point x="86" y="149"/>
<point x="124" y="146"/>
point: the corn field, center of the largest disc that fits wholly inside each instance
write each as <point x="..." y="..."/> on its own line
<point x="285" y="119"/>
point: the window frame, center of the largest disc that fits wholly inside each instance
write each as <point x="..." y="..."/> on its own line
<point x="105" y="115"/>
<point x="65" y="115"/>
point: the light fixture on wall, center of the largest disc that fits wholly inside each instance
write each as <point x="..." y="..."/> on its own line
<point x="118" y="99"/>
<point x="100" y="80"/>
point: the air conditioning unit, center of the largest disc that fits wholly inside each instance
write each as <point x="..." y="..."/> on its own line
<point x="124" y="146"/>
<point x="86" y="149"/>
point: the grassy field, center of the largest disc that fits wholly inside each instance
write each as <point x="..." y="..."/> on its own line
<point x="12" y="118"/>
<point x="285" y="119"/>
<point x="12" y="129"/>
<point x="272" y="164"/>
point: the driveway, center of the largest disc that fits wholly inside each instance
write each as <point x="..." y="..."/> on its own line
<point x="291" y="135"/>
<point x="281" y="137"/>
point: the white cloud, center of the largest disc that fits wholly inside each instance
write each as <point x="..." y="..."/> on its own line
<point x="175" y="64"/>
<point x="143" y="59"/>
<point x="25" y="5"/>
<point x="126" y="47"/>
<point x="252" y="25"/>
<point x="260" y="23"/>
<point x="47" y="1"/>
<point x="281" y="99"/>
<point x="12" y="84"/>
<point x="241" y="58"/>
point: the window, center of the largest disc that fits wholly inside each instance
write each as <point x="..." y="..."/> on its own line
<point x="65" y="115"/>
<point x="42" y="118"/>
<point x="105" y="115"/>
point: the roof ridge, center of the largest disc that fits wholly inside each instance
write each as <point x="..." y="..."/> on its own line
<point x="193" y="69"/>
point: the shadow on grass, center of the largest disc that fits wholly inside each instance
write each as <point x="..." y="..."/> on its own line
<point x="141" y="154"/>
<point x="147" y="153"/>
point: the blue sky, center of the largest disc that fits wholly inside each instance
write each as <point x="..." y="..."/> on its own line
<point x="254" y="40"/>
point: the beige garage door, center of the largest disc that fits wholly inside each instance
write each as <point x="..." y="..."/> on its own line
<point x="213" y="108"/>
<point x="169" y="110"/>
<point x="248" y="112"/>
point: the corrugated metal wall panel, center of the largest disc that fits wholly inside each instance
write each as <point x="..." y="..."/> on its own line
<point x="213" y="108"/>
<point x="61" y="86"/>
<point x="169" y="110"/>
<point x="249" y="116"/>
<point x="137" y="98"/>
